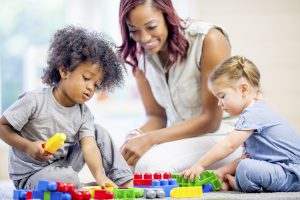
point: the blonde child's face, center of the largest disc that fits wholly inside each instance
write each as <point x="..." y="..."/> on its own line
<point x="230" y="99"/>
<point x="80" y="85"/>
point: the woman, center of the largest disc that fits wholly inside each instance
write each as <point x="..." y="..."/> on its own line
<point x="171" y="61"/>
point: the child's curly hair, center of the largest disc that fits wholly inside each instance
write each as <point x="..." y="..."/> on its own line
<point x="74" y="45"/>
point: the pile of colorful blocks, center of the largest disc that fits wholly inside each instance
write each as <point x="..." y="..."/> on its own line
<point x="146" y="185"/>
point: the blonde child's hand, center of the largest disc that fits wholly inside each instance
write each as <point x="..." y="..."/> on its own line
<point x="104" y="181"/>
<point x="193" y="172"/>
<point x="37" y="152"/>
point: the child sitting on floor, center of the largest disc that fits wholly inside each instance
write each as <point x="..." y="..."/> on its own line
<point x="79" y="63"/>
<point x="271" y="161"/>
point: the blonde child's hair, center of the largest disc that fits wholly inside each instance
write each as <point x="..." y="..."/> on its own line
<point x="235" y="68"/>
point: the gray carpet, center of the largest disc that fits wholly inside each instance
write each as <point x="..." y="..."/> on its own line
<point x="6" y="191"/>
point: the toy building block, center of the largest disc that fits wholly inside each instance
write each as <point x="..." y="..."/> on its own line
<point x="146" y="179"/>
<point x="142" y="181"/>
<point x="138" y="192"/>
<point x="166" y="185"/>
<point x="92" y="190"/>
<point x="19" y="194"/>
<point x="45" y="185"/>
<point x="29" y="194"/>
<point x="124" y="193"/>
<point x="60" y="196"/>
<point x="128" y="193"/>
<point x="80" y="195"/>
<point x="152" y="193"/>
<point x="209" y="177"/>
<point x="187" y="192"/>
<point x="54" y="143"/>
<point x="207" y="188"/>
<point x="65" y="186"/>
<point x="36" y="194"/>
<point x="103" y="194"/>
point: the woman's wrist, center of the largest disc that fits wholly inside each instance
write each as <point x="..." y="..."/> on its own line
<point x="136" y="131"/>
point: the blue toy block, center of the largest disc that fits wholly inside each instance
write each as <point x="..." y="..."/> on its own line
<point x="207" y="188"/>
<point x="45" y="185"/>
<point x="166" y="185"/>
<point x="19" y="194"/>
<point x="36" y="194"/>
<point x="60" y="196"/>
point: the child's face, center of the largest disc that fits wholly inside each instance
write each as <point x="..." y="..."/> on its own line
<point x="79" y="86"/>
<point x="231" y="100"/>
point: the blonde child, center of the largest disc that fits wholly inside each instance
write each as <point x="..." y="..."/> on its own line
<point x="271" y="160"/>
<point x="79" y="63"/>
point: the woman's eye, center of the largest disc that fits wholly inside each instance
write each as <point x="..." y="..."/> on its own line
<point x="132" y="31"/>
<point x="152" y="27"/>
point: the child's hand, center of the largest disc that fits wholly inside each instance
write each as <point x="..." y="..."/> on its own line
<point x="104" y="181"/>
<point x="37" y="152"/>
<point x="193" y="172"/>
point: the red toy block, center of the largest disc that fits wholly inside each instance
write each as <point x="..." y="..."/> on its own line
<point x="103" y="194"/>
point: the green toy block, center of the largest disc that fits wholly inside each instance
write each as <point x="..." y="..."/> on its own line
<point x="47" y="195"/>
<point x="128" y="193"/>
<point x="207" y="177"/>
<point x="138" y="192"/>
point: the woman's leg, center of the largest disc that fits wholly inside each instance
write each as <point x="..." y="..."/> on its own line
<point x="181" y="154"/>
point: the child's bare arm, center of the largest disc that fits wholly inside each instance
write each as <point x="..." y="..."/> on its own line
<point x="33" y="149"/>
<point x="93" y="159"/>
<point x="219" y="151"/>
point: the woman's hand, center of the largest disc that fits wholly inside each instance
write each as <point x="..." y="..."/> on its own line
<point x="193" y="172"/>
<point x="36" y="151"/>
<point x="134" y="148"/>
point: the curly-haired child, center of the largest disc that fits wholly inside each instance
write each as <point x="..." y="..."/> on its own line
<point x="79" y="63"/>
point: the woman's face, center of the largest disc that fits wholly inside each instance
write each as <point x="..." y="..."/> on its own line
<point x="147" y="26"/>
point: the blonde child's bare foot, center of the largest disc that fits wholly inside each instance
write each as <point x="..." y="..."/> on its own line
<point x="225" y="186"/>
<point x="231" y="180"/>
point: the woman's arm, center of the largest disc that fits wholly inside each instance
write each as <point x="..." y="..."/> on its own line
<point x="93" y="159"/>
<point x="33" y="149"/>
<point x="216" y="49"/>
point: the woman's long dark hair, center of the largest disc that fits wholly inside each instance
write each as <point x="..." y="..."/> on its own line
<point x="177" y="44"/>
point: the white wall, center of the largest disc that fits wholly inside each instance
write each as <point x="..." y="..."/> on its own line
<point x="267" y="32"/>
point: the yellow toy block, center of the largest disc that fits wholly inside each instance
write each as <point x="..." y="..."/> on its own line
<point x="92" y="189"/>
<point x="187" y="192"/>
<point x="55" y="142"/>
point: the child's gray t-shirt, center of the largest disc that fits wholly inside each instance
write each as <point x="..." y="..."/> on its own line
<point x="36" y="115"/>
